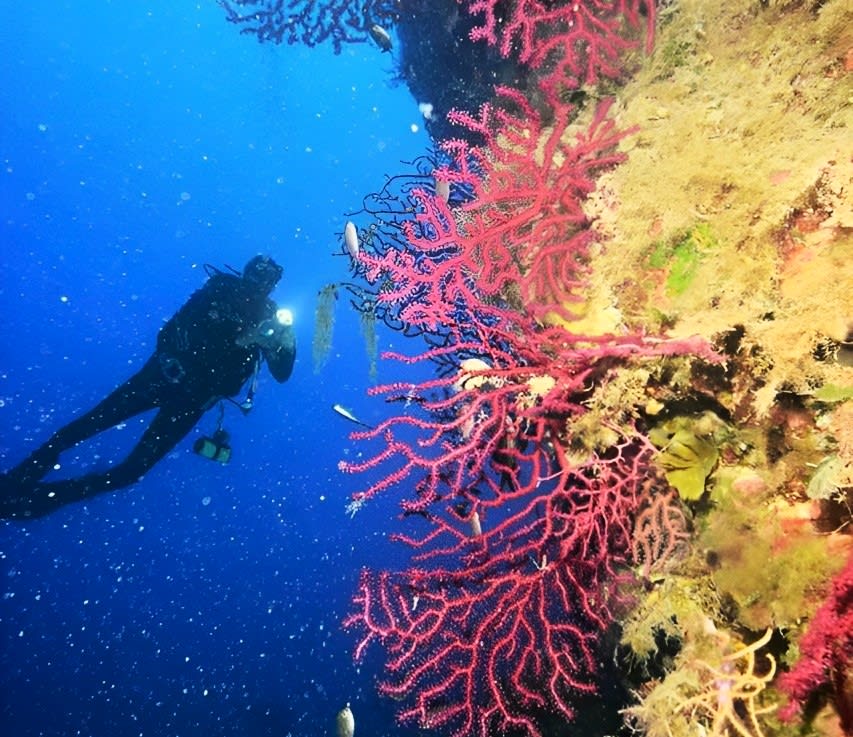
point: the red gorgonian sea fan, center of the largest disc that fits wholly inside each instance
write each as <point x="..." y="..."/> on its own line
<point x="499" y="621"/>
<point x="520" y="529"/>
<point x="574" y="43"/>
<point x="310" y="22"/>
<point x="519" y="542"/>
<point x="521" y="230"/>
<point x="826" y="654"/>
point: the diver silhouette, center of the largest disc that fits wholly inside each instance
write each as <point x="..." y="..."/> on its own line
<point x="205" y="353"/>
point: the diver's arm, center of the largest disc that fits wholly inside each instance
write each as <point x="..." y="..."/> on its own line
<point x="277" y="342"/>
<point x="280" y="353"/>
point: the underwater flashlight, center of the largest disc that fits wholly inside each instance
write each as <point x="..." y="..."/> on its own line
<point x="284" y="316"/>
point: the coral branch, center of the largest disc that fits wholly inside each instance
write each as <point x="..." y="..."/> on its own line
<point x="309" y="22"/>
<point x="661" y="533"/>
<point x="575" y="43"/>
<point x="520" y="230"/>
<point x="520" y="528"/>
<point x="483" y="647"/>
<point x="826" y="654"/>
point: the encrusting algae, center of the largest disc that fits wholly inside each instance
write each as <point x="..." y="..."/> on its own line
<point x="732" y="219"/>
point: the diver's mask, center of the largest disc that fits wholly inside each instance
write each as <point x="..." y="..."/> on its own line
<point x="214" y="447"/>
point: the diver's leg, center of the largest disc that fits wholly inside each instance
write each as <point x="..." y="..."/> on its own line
<point x="136" y="395"/>
<point x="167" y="428"/>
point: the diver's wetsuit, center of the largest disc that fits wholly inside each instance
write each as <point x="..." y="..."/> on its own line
<point x="204" y="353"/>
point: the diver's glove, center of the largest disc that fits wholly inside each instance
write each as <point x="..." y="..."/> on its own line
<point x="271" y="334"/>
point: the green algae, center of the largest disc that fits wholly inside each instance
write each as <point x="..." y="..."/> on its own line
<point x="681" y="257"/>
<point x="687" y="455"/>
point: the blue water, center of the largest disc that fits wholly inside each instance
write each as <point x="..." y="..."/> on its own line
<point x="140" y="141"/>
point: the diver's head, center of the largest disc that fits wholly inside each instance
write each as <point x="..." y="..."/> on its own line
<point x="262" y="273"/>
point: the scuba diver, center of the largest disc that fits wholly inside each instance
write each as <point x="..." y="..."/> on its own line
<point x="205" y="354"/>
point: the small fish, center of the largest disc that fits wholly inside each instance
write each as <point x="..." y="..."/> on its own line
<point x="442" y="190"/>
<point x="345" y="722"/>
<point x="476" y="525"/>
<point x="351" y="240"/>
<point x="347" y="415"/>
<point x="381" y="37"/>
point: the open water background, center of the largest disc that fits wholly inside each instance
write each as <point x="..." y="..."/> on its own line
<point x="138" y="142"/>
